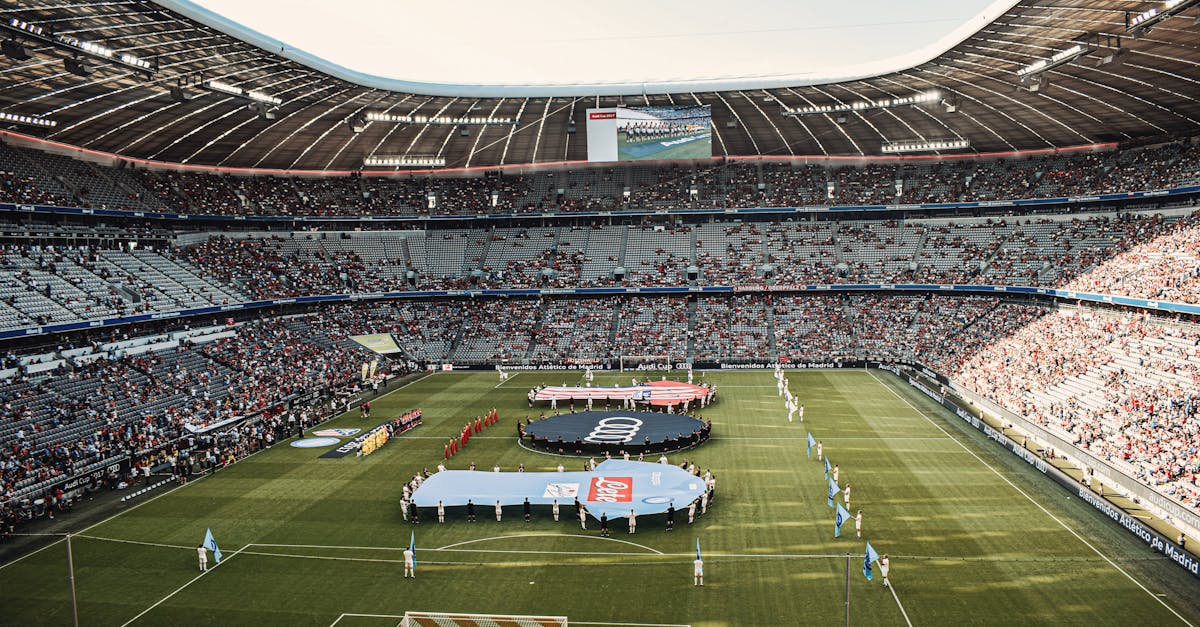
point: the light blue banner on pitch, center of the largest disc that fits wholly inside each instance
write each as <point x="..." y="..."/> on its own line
<point x="615" y="488"/>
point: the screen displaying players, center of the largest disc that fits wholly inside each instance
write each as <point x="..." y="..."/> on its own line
<point x="649" y="133"/>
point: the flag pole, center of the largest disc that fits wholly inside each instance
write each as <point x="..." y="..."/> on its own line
<point x="71" y="575"/>
<point x="847" y="590"/>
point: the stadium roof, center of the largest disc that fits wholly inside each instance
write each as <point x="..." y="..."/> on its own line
<point x="1113" y="87"/>
<point x="555" y="48"/>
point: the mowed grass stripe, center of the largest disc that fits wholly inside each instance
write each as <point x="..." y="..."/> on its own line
<point x="980" y="553"/>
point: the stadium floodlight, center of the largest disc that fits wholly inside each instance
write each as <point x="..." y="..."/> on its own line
<point x="1140" y="24"/>
<point x="78" y="66"/>
<point x="14" y="50"/>
<point x="248" y="94"/>
<point x="78" y="46"/>
<point x="357" y="123"/>
<point x="28" y="120"/>
<point x="474" y="120"/>
<point x="932" y="95"/>
<point x="32" y="29"/>
<point x="930" y="146"/>
<point x="405" y="161"/>
<point x="1062" y="57"/>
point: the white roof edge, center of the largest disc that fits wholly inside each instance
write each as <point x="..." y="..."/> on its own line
<point x="567" y="90"/>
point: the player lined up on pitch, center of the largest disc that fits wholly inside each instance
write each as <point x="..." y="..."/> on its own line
<point x="842" y="510"/>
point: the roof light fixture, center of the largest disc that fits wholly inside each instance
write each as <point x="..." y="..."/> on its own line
<point x="1061" y="57"/>
<point x="379" y="116"/>
<point x="77" y="46"/>
<point x="928" y="146"/>
<point x="233" y="90"/>
<point x="28" y="120"/>
<point x="405" y="161"/>
<point x="1137" y="25"/>
<point x="932" y="95"/>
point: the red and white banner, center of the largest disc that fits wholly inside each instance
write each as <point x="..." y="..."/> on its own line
<point x="658" y="393"/>
<point x="611" y="490"/>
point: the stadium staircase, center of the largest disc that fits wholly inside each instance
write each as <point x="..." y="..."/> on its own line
<point x="772" y="348"/>
<point x="614" y="326"/>
<point x="987" y="262"/>
<point x="624" y="245"/>
<point x="691" y="326"/>
<point x="482" y="261"/>
<point x="25" y="164"/>
<point x="536" y="330"/>
<point x="920" y="243"/>
<point x="693" y="234"/>
<point x="119" y="183"/>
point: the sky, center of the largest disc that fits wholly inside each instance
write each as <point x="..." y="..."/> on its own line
<point x="544" y="42"/>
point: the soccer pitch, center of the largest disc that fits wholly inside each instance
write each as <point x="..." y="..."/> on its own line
<point x="684" y="147"/>
<point x="975" y="535"/>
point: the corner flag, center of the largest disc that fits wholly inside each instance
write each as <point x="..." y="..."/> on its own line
<point x="871" y="556"/>
<point x="210" y="543"/>
<point x="833" y="489"/>
<point x="842" y="516"/>
<point x="811" y="443"/>
<point x="412" y="546"/>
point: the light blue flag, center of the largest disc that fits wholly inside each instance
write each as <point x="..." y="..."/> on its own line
<point x="811" y="443"/>
<point x="697" y="548"/>
<point x="412" y="546"/>
<point x="826" y="467"/>
<point x="833" y="489"/>
<point x="210" y="543"/>
<point x="842" y="516"/>
<point x="871" y="556"/>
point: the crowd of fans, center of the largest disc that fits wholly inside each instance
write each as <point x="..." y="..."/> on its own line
<point x="730" y="184"/>
<point x="153" y="407"/>
<point x="1144" y="255"/>
<point x="1124" y="387"/>
<point x="1127" y="388"/>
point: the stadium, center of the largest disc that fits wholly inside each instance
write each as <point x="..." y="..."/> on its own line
<point x="291" y="341"/>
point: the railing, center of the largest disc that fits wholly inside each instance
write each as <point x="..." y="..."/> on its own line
<point x="1140" y="303"/>
<point x="743" y="211"/>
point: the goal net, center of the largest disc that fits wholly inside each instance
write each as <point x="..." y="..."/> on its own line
<point x="646" y="362"/>
<point x="443" y="619"/>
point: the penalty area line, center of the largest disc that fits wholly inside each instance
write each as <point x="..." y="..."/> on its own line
<point x="1031" y="500"/>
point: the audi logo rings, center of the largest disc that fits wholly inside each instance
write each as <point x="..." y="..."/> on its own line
<point x="617" y="429"/>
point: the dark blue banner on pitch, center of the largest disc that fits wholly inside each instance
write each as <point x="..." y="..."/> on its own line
<point x="614" y="427"/>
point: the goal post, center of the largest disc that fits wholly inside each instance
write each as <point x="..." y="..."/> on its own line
<point x="449" y="619"/>
<point x="646" y="362"/>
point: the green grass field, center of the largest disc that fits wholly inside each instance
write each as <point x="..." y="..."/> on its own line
<point x="653" y="150"/>
<point x="975" y="535"/>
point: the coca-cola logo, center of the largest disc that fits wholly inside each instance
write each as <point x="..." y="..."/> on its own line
<point x="611" y="490"/>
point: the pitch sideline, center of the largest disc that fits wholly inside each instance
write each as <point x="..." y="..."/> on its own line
<point x="1031" y="500"/>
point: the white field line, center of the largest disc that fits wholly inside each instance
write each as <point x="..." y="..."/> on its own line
<point x="510" y="378"/>
<point x="549" y="535"/>
<point x="955" y="558"/>
<point x="161" y="494"/>
<point x="573" y="622"/>
<point x="180" y="588"/>
<point x="121" y="513"/>
<point x="900" y="605"/>
<point x="1031" y="500"/>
